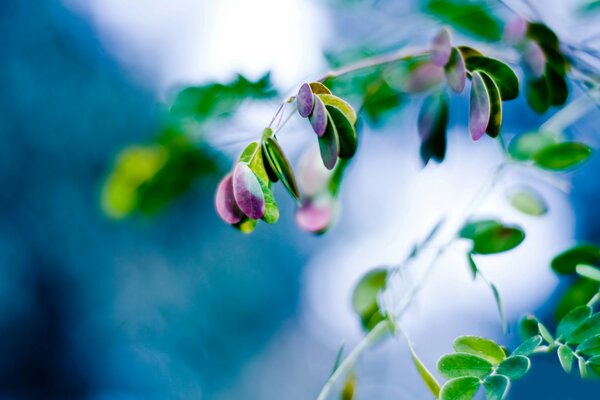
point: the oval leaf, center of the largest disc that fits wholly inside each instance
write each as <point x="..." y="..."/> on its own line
<point x="318" y="118"/>
<point x="528" y="346"/>
<point x="460" y="389"/>
<point x="346" y="132"/>
<point x="271" y="210"/>
<point x="590" y="346"/>
<point x="343" y="106"/>
<point x="366" y="292"/>
<point x="225" y="201"/>
<point x="432" y="122"/>
<point x="588" y="271"/>
<point x="528" y="202"/>
<point x="495" y="121"/>
<point x="562" y="156"/>
<point x="524" y="147"/>
<point x="572" y="320"/>
<point x="463" y="364"/>
<point x="479" y="113"/>
<point x="305" y="100"/>
<point x="482" y="347"/>
<point x="587" y="329"/>
<point x="281" y="166"/>
<point x="329" y="145"/>
<point x="496" y="387"/>
<point x="316" y="215"/>
<point x="514" y="367"/>
<point x="441" y="47"/>
<point x="557" y="85"/>
<point x="538" y="94"/>
<point x="566" y="356"/>
<point x="567" y="261"/>
<point x="319" y="88"/>
<point x="498" y="239"/>
<point x="456" y="71"/>
<point x="247" y="192"/>
<point x="502" y="74"/>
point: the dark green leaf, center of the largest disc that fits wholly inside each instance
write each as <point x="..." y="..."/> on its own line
<point x="502" y="74"/>
<point x="562" y="156"/>
<point x="329" y="145"/>
<point x="590" y="346"/>
<point x="460" y="389"/>
<point x="578" y="294"/>
<point x="567" y="261"/>
<point x="498" y="239"/>
<point x="538" y="94"/>
<point x="587" y="329"/>
<point x="542" y="34"/>
<point x="528" y="327"/>
<point x="469" y="17"/>
<point x="366" y="292"/>
<point x="482" y="347"/>
<point x="346" y="132"/>
<point x="472" y="229"/>
<point x="463" y="364"/>
<point x="528" y="346"/>
<point x="432" y="122"/>
<point x="557" y="85"/>
<point x="280" y="165"/>
<point x="496" y="387"/>
<point x="467" y="52"/>
<point x="528" y="202"/>
<point x="514" y="367"/>
<point x="594" y="364"/>
<point x="565" y="356"/>
<point x="430" y="381"/>
<point x="523" y="147"/>
<point x="495" y="122"/>
<point x="572" y="320"/>
<point x="472" y="265"/>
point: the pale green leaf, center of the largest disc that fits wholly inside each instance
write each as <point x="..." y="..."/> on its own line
<point x="514" y="367"/>
<point x="463" y="388"/>
<point x="463" y="364"/>
<point x="479" y="346"/>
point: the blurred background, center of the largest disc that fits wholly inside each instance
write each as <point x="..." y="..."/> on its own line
<point x="177" y="304"/>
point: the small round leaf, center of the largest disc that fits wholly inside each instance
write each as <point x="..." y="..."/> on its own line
<point x="482" y="347"/>
<point x="562" y="156"/>
<point x="479" y="113"/>
<point x="305" y="100"/>
<point x="496" y="387"/>
<point x="514" y="367"/>
<point x="463" y="364"/>
<point x="528" y="202"/>
<point x="346" y="132"/>
<point x="567" y="261"/>
<point x="502" y="74"/>
<point x="329" y="145"/>
<point x="460" y="389"/>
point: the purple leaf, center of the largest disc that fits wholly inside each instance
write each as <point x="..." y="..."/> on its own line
<point x="313" y="177"/>
<point x="247" y="191"/>
<point x="318" y="118"/>
<point x="305" y="100"/>
<point x="479" y="114"/>
<point x="423" y="77"/>
<point x="534" y="58"/>
<point x="440" y="48"/>
<point x="456" y="72"/>
<point x="316" y="216"/>
<point x="515" y="30"/>
<point x="225" y="201"/>
<point x="329" y="145"/>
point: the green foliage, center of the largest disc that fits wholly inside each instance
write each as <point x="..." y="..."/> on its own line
<point x="469" y="17"/>
<point x="528" y="202"/>
<point x="567" y="261"/>
<point x="279" y="164"/>
<point x="504" y="77"/>
<point x="365" y="297"/>
<point x="432" y="124"/>
<point x="491" y="237"/>
<point x="430" y="381"/>
<point x="524" y="147"/>
<point x="562" y="156"/>
<point x="588" y="271"/>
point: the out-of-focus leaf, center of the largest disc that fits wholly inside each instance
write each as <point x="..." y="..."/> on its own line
<point x="562" y="156"/>
<point x="565" y="356"/>
<point x="538" y="94"/>
<point x="497" y="239"/>
<point x="472" y="229"/>
<point x="480" y="108"/>
<point x="460" y="388"/>
<point x="528" y="202"/>
<point x="246" y="225"/>
<point x="415" y="76"/>
<point x="347" y="136"/>
<point x="542" y="34"/>
<point x="567" y="261"/>
<point x="472" y="265"/>
<point x="469" y="17"/>
<point x="456" y="71"/>
<point x="590" y="6"/>
<point x="430" y="381"/>
<point x="578" y="294"/>
<point x="379" y="99"/>
<point x="318" y="118"/>
<point x="218" y="100"/>
<point x="247" y="191"/>
<point x="457" y="365"/>
<point x="432" y="122"/>
<point x="467" y="52"/>
<point x="594" y="364"/>
<point x="365" y="296"/>
<point x="316" y="214"/>
<point x="329" y="145"/>
<point x="582" y="368"/>
<point x="525" y="146"/>
<point x="528" y="327"/>
<point x="557" y="85"/>
<point x="545" y="333"/>
<point x="588" y="271"/>
<point x="572" y="320"/>
<point x="514" y="367"/>
<point x="479" y="346"/>
<point x="349" y="388"/>
<point x="496" y="387"/>
<point x="504" y="77"/>
<point x="528" y="346"/>
<point x="495" y="121"/>
<point x="441" y="47"/>
<point x="280" y="165"/>
<point x="499" y="306"/>
<point x="534" y="59"/>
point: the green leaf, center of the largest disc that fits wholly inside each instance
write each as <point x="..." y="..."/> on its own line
<point x="281" y="166"/>
<point x="590" y="346"/>
<point x="365" y="297"/>
<point x="588" y="271"/>
<point x="587" y="329"/>
<point x="271" y="210"/>
<point x="498" y="239"/>
<point x="495" y="122"/>
<point x="346" y="132"/>
<point x="566" y="356"/>
<point x="514" y="367"/>
<point x="463" y="364"/>
<point x="349" y="388"/>
<point x="499" y="306"/>
<point x="528" y="346"/>
<point x="246" y="225"/>
<point x="542" y="34"/>
<point x="594" y="364"/>
<point x="528" y="327"/>
<point x="557" y="85"/>
<point x="432" y="122"/>
<point x="460" y="388"/>
<point x="329" y="145"/>
<point x="582" y="368"/>
<point x="343" y="106"/>
<point x="562" y="156"/>
<point x="528" y="202"/>
<point x="546" y="335"/>
<point x="496" y="387"/>
<point x="430" y="381"/>
<point x="472" y="229"/>
<point x="472" y="265"/>
<point x="572" y="320"/>
<point x="338" y="359"/>
<point x="537" y="93"/>
<point x="580" y="292"/>
<point x="482" y="347"/>
<point x="524" y="147"/>
<point x="469" y="17"/>
<point x="567" y="261"/>
<point x="502" y="74"/>
<point x="253" y="156"/>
